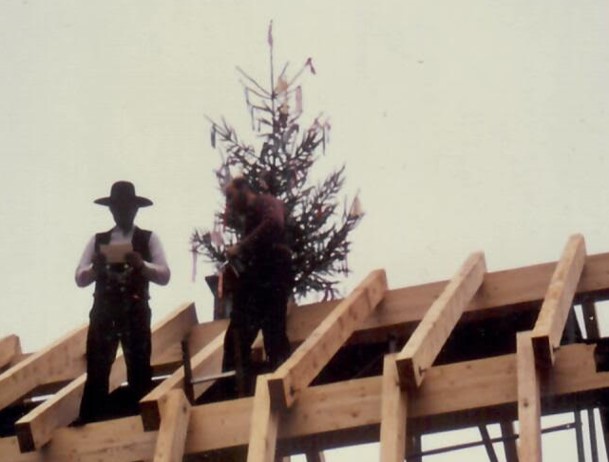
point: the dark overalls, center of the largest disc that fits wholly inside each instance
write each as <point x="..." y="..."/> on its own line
<point x="120" y="313"/>
<point x="260" y="302"/>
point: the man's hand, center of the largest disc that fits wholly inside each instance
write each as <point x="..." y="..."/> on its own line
<point x="233" y="251"/>
<point x="99" y="263"/>
<point x="135" y="260"/>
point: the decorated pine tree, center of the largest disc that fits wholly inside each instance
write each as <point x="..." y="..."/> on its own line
<point x="319" y="219"/>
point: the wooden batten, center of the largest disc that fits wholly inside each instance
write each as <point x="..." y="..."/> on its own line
<point x="36" y="428"/>
<point x="431" y="334"/>
<point x="174" y="426"/>
<point x="317" y="350"/>
<point x="529" y="401"/>
<point x="264" y="427"/>
<point x="558" y="301"/>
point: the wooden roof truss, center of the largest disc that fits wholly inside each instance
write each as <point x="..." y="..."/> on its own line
<point x="417" y="390"/>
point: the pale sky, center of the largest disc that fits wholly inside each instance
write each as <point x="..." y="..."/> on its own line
<point x="470" y="125"/>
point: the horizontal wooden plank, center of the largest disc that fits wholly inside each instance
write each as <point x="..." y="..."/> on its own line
<point x="431" y="334"/>
<point x="341" y="407"/>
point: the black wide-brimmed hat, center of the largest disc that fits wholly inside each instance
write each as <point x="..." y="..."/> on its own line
<point x="123" y="192"/>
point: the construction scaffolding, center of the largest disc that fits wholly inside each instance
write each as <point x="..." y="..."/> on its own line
<point x="384" y="365"/>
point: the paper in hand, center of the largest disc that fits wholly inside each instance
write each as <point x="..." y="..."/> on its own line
<point x="115" y="253"/>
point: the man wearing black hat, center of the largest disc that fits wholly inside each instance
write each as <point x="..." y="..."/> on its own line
<point x="121" y="262"/>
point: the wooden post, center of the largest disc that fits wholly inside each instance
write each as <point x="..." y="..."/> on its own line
<point x="558" y="301"/>
<point x="488" y="445"/>
<point x="394" y="405"/>
<point x="309" y="359"/>
<point x="10" y="348"/>
<point x="529" y="407"/>
<point x="174" y="426"/>
<point x="264" y="426"/>
<point x="509" y="441"/>
<point x="315" y="456"/>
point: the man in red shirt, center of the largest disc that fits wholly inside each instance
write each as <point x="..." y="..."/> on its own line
<point x="265" y="278"/>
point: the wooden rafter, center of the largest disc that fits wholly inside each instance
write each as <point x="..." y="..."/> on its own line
<point x="265" y="424"/>
<point x="421" y="351"/>
<point x="207" y="361"/>
<point x="174" y="425"/>
<point x="309" y="359"/>
<point x="529" y="401"/>
<point x="61" y="359"/>
<point x="10" y="348"/>
<point x="36" y="428"/>
<point x="558" y="301"/>
<point x="487" y="385"/>
<point x="431" y="334"/>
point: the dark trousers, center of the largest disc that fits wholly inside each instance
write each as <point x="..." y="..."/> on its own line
<point x="258" y="303"/>
<point x="113" y="321"/>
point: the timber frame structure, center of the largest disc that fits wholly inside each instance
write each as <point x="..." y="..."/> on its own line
<point x="386" y="365"/>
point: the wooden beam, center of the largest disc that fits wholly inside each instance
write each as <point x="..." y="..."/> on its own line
<point x="393" y="414"/>
<point x="431" y="334"/>
<point x="207" y="361"/>
<point x="36" y="428"/>
<point x="529" y="403"/>
<point x="314" y="353"/>
<point x="174" y="426"/>
<point x="453" y="391"/>
<point x="265" y="423"/>
<point x="10" y="348"/>
<point x="506" y="291"/>
<point x="558" y="301"/>
<point x="63" y="357"/>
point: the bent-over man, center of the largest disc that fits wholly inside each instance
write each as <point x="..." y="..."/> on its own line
<point x="264" y="280"/>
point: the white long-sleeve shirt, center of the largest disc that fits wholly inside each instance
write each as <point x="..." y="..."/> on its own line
<point x="155" y="270"/>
